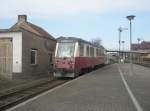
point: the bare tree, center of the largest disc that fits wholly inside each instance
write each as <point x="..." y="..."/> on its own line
<point x="97" y="41"/>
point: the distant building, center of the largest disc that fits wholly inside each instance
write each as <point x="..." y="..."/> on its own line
<point x="144" y="46"/>
<point x="26" y="50"/>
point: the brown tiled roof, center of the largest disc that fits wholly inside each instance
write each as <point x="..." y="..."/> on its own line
<point x="145" y="45"/>
<point x="142" y="46"/>
<point x="135" y="46"/>
<point x="31" y="28"/>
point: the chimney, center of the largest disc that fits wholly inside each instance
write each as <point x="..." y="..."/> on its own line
<point x="22" y="18"/>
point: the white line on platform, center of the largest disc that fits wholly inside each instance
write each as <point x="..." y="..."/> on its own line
<point x="44" y="93"/>
<point x="134" y="100"/>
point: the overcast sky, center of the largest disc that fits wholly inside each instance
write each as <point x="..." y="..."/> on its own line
<point x="86" y="19"/>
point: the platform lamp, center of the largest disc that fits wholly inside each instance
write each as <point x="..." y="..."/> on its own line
<point x="123" y="45"/>
<point x="130" y="18"/>
<point x="120" y="29"/>
<point x="123" y="54"/>
<point x="138" y="39"/>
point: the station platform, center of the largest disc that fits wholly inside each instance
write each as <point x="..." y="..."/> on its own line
<point x="112" y="88"/>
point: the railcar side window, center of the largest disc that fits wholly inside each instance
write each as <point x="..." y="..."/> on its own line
<point x="91" y="51"/>
<point x="81" y="50"/>
<point x="102" y="51"/>
<point x="33" y="56"/>
<point x="97" y="54"/>
<point x="87" y="50"/>
<point x="99" y="51"/>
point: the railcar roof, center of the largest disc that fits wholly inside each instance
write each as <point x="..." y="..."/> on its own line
<point x="76" y="39"/>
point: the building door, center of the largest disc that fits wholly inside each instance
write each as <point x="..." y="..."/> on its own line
<point x="6" y="57"/>
<point x="50" y="62"/>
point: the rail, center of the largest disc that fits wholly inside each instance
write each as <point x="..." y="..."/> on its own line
<point x="15" y="97"/>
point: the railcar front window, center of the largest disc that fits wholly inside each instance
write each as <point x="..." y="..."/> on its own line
<point x="65" y="50"/>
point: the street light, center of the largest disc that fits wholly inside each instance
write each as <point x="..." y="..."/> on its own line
<point x="130" y="18"/>
<point x="123" y="54"/>
<point x="138" y="39"/>
<point x="120" y="29"/>
<point x="123" y="45"/>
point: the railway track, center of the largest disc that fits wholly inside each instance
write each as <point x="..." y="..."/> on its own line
<point x="15" y="97"/>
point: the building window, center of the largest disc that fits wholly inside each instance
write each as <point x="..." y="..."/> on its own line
<point x="33" y="56"/>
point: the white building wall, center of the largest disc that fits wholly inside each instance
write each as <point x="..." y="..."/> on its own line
<point x="17" y="49"/>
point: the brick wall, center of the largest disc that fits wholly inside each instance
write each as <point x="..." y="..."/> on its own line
<point x="44" y="48"/>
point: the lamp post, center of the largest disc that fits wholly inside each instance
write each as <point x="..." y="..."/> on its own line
<point x="138" y="39"/>
<point x="123" y="54"/>
<point x="123" y="45"/>
<point x="130" y="18"/>
<point x="120" y="29"/>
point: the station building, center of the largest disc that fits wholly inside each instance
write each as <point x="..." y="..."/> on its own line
<point x="26" y="50"/>
<point x="144" y="47"/>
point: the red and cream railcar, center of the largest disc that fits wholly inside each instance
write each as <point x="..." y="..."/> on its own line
<point x="73" y="55"/>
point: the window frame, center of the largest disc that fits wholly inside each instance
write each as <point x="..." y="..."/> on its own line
<point x="63" y="43"/>
<point x="92" y="51"/>
<point x="81" y="49"/>
<point x="35" y="56"/>
<point x="87" y="51"/>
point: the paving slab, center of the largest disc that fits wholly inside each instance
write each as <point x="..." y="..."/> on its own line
<point x="100" y="90"/>
<point x="138" y="78"/>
